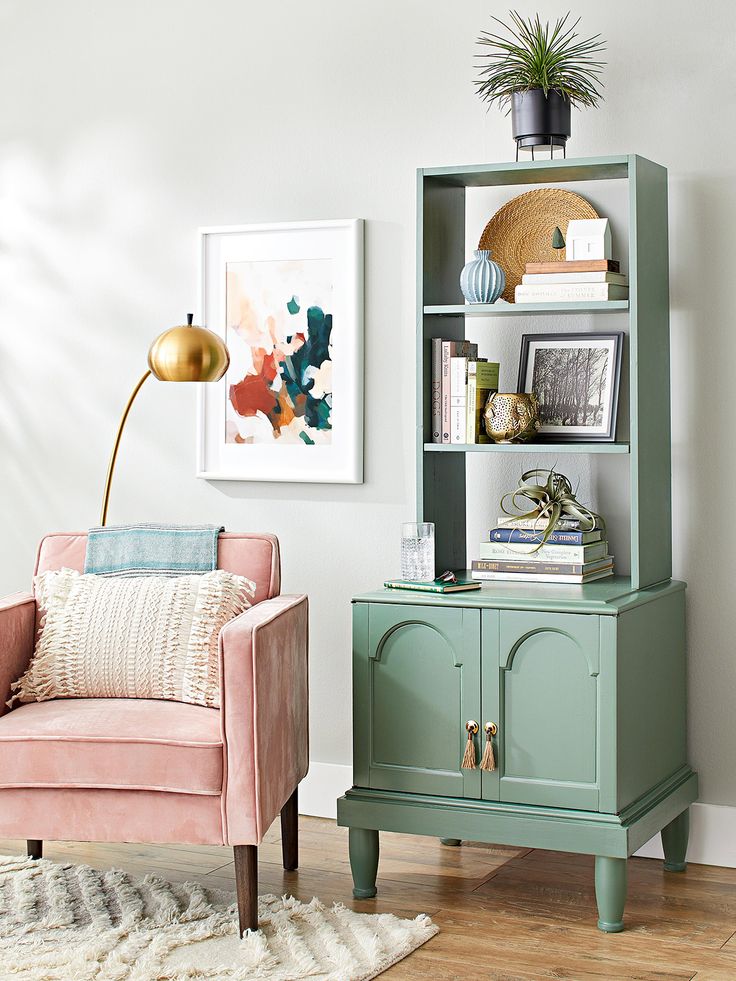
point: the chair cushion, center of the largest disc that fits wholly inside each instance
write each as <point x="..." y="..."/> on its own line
<point x="144" y="637"/>
<point x="142" y="744"/>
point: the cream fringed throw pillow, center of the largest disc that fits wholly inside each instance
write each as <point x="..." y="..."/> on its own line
<point x="147" y="637"/>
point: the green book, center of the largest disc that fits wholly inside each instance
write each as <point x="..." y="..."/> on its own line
<point x="482" y="380"/>
<point x="433" y="587"/>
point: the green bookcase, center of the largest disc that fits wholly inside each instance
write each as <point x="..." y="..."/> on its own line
<point x="586" y="684"/>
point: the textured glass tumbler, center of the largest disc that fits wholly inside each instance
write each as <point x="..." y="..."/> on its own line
<point x="417" y="551"/>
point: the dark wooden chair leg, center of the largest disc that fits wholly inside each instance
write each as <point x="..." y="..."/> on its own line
<point x="290" y="832"/>
<point x="34" y="847"/>
<point x="246" y="884"/>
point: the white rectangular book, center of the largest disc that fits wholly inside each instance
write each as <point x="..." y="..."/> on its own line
<point x="471" y="394"/>
<point x="538" y="524"/>
<point x="525" y="577"/>
<point x="531" y="279"/>
<point x="566" y="292"/>
<point x="458" y="399"/>
<point x="578" y="554"/>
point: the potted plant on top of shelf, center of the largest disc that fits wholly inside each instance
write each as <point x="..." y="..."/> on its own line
<point x="539" y="72"/>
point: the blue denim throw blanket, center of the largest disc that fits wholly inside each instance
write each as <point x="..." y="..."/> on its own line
<point x="152" y="550"/>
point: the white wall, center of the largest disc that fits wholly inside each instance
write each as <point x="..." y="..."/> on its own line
<point x="127" y="125"/>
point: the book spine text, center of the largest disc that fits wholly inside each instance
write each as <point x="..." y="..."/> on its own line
<point x="436" y="415"/>
<point x="458" y="399"/>
<point x="522" y="536"/>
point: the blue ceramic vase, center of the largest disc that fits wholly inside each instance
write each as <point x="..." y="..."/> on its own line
<point x="482" y="280"/>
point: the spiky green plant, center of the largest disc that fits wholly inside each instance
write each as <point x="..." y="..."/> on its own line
<point x="535" y="56"/>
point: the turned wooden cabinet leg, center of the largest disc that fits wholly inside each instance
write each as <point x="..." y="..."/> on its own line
<point x="610" y="892"/>
<point x="290" y="832"/>
<point x="454" y="842"/>
<point x="674" y="842"/>
<point x="363" y="846"/>
<point x="34" y="848"/>
<point x="246" y="884"/>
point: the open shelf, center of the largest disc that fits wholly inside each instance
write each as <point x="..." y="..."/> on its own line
<point x="444" y="473"/>
<point x="526" y="447"/>
<point x="500" y="309"/>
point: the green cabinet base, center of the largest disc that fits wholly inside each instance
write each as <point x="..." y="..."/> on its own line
<point x="607" y="836"/>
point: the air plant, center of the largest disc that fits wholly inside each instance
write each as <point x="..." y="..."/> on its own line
<point x="552" y="499"/>
<point x="535" y="56"/>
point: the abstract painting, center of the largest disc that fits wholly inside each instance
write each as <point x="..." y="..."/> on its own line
<point x="278" y="332"/>
<point x="287" y="300"/>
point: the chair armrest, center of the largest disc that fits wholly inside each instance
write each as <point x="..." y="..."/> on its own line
<point x="264" y="707"/>
<point x="17" y="628"/>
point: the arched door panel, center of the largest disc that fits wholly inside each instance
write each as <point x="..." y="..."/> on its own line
<point x="548" y="685"/>
<point x="420" y="681"/>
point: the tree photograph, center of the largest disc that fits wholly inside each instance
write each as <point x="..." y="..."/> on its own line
<point x="570" y="384"/>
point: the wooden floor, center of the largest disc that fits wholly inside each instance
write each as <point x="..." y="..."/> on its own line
<point x="503" y="913"/>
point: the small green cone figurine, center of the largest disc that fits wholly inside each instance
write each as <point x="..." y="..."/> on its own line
<point x="558" y="241"/>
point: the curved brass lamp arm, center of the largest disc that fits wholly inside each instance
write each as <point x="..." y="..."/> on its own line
<point x="116" y="445"/>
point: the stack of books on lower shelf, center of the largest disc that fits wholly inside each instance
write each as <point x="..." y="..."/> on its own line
<point x="568" y="556"/>
<point x="461" y="384"/>
<point x="576" y="280"/>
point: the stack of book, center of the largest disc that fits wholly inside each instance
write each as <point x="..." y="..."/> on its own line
<point x="461" y="384"/>
<point x="577" y="280"/>
<point x="568" y="556"/>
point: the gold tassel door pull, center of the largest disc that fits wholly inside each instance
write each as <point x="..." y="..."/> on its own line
<point x="468" y="763"/>
<point x="488" y="763"/>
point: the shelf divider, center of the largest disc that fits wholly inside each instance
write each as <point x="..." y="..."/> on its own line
<point x="500" y="309"/>
<point x="619" y="447"/>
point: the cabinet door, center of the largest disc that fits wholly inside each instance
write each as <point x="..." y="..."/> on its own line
<point x="416" y="678"/>
<point x="543" y="668"/>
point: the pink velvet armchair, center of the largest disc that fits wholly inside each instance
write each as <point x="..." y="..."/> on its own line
<point x="146" y="770"/>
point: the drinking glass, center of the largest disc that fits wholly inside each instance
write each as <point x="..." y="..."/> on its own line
<point x="417" y="551"/>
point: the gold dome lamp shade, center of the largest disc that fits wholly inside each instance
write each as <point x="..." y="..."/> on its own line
<point x="188" y="354"/>
<point x="180" y="354"/>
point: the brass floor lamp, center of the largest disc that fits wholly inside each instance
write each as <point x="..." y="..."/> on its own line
<point x="180" y="354"/>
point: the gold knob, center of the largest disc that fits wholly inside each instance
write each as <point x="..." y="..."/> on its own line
<point x="471" y="727"/>
<point x="490" y="728"/>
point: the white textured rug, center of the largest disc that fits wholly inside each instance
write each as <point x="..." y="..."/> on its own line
<point x="73" y="923"/>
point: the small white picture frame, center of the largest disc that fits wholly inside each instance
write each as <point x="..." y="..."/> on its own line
<point x="287" y="299"/>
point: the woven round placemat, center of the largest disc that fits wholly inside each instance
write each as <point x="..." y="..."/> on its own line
<point x="521" y="231"/>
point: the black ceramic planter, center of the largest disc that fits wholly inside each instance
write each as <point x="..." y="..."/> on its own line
<point x="539" y="120"/>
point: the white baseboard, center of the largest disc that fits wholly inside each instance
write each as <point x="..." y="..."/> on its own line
<point x="712" y="837"/>
<point x="712" y="826"/>
<point x="319" y="790"/>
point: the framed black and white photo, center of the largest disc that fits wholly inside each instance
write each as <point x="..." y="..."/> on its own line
<point x="576" y="380"/>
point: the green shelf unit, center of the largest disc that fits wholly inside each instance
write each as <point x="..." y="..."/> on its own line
<point x="556" y="448"/>
<point x="441" y="311"/>
<point x="500" y="309"/>
<point x="582" y="687"/>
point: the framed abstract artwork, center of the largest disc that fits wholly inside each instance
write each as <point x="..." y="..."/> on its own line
<point x="576" y="380"/>
<point x="287" y="299"/>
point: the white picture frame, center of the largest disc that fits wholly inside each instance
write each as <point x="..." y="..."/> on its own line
<point x="244" y="270"/>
